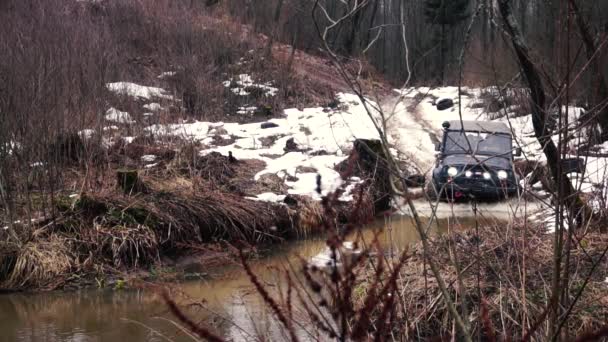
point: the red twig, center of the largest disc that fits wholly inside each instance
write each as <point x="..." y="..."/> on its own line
<point x="593" y="336"/>
<point x="267" y="298"/>
<point x="487" y="322"/>
<point x="202" y="332"/>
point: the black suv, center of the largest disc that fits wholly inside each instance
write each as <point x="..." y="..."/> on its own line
<point x="475" y="160"/>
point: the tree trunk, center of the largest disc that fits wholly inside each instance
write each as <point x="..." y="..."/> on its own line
<point x="294" y="43"/>
<point x="372" y="162"/>
<point x="593" y="57"/>
<point x="352" y="41"/>
<point x="128" y="180"/>
<point x="277" y="16"/>
<point x="372" y="21"/>
<point x="442" y="54"/>
<point x="539" y="115"/>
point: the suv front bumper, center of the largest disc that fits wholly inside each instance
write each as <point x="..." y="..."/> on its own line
<point x="466" y="188"/>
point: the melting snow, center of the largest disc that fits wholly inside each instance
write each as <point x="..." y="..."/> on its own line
<point x="86" y="133"/>
<point x="246" y="110"/>
<point x="155" y="107"/>
<point x="312" y="129"/>
<point x="148" y="158"/>
<point x="166" y="74"/>
<point x="268" y="197"/>
<point x="243" y="84"/>
<point x="136" y="90"/>
<point x="196" y="131"/>
<point x="115" y="115"/>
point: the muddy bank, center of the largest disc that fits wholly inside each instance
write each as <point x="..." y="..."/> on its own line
<point x="228" y="297"/>
<point x="172" y="223"/>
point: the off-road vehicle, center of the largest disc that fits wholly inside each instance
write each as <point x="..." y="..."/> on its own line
<point x="474" y="160"/>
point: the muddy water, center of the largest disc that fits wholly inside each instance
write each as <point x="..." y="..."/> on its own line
<point x="228" y="302"/>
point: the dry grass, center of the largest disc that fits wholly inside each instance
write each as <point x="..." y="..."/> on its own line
<point x="40" y="264"/>
<point x="509" y="269"/>
<point x="310" y="216"/>
<point x="129" y="247"/>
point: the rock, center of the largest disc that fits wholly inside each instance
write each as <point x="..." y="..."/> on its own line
<point x="268" y="125"/>
<point x="306" y="169"/>
<point x="290" y="146"/>
<point x="319" y="153"/>
<point x="443" y="104"/>
<point x="290" y="200"/>
<point x="333" y="104"/>
<point x="231" y="158"/>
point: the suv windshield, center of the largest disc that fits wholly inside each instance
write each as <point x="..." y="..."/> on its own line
<point x="480" y="143"/>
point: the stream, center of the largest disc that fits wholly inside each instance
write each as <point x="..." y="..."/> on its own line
<point x="227" y="302"/>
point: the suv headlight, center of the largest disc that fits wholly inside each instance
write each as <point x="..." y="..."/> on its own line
<point x="452" y="171"/>
<point x="502" y="174"/>
<point x="487" y="175"/>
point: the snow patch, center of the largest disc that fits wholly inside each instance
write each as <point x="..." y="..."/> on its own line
<point x="148" y="158"/>
<point x="321" y="138"/>
<point x="246" y="110"/>
<point x="166" y="74"/>
<point x="118" y="116"/>
<point x="138" y="91"/>
<point x="86" y="134"/>
<point x="197" y="130"/>
<point x="155" y="107"/>
<point x="268" y="197"/>
<point x="243" y="84"/>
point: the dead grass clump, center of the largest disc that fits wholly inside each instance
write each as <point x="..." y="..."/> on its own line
<point x="508" y="268"/>
<point x="137" y="150"/>
<point x="176" y="217"/>
<point x="128" y="246"/>
<point x="310" y="216"/>
<point x="216" y="168"/>
<point x="41" y="263"/>
<point x="361" y="208"/>
<point x="208" y="216"/>
<point x="270" y="182"/>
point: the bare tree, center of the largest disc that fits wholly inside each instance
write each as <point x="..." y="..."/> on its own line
<point x="599" y="113"/>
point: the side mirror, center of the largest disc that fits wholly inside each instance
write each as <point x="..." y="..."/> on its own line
<point x="437" y="147"/>
<point x="517" y="152"/>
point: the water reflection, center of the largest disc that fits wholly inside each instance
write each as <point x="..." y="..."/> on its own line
<point x="229" y="304"/>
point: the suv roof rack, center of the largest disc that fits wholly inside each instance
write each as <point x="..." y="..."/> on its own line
<point x="477" y="126"/>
